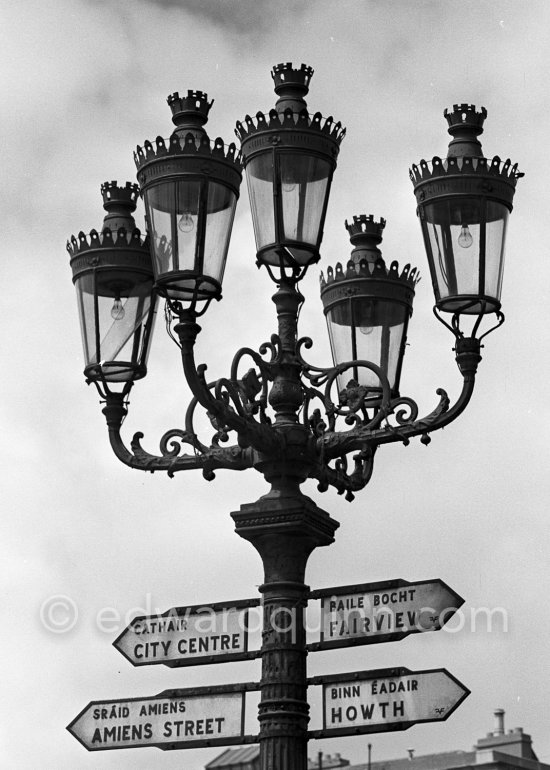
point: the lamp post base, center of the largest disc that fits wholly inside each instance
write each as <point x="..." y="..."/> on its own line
<point x="284" y="527"/>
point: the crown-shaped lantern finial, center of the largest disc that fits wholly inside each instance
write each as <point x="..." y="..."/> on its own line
<point x="365" y="235"/>
<point x="120" y="204"/>
<point x="465" y="125"/>
<point x="291" y="86"/>
<point x="190" y="113"/>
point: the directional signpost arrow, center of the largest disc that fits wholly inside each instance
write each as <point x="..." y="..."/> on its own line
<point x="186" y="636"/>
<point x="359" y="702"/>
<point x="382" y="612"/>
<point x="386" y="699"/>
<point x="174" y="719"/>
<point x="366" y="613"/>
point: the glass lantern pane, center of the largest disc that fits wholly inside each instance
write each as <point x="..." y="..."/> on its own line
<point x="465" y="245"/>
<point x="221" y="211"/>
<point x="304" y="183"/>
<point x="85" y="299"/>
<point x="158" y="201"/>
<point x="114" y="335"/>
<point x="379" y="333"/>
<point x="186" y="214"/>
<point x="454" y="244"/>
<point x="173" y="209"/>
<point x="367" y="329"/>
<point x="341" y="337"/>
<point x="495" y="239"/>
<point x="259" y="177"/>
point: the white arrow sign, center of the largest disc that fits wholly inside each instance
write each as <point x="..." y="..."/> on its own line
<point x="172" y="720"/>
<point x="383" y="612"/>
<point x="186" y="636"/>
<point x="387" y="699"/>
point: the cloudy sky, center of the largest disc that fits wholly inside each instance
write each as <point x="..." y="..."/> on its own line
<point x="83" y="82"/>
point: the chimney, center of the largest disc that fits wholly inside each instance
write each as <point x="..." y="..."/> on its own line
<point x="499" y="722"/>
<point x="514" y="743"/>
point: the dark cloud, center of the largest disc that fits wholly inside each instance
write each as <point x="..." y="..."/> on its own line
<point x="238" y="16"/>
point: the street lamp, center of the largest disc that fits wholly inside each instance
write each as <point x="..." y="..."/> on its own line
<point x="114" y="284"/>
<point x="368" y="307"/>
<point x="463" y="205"/>
<point x="293" y="421"/>
<point x="289" y="158"/>
<point x="190" y="187"/>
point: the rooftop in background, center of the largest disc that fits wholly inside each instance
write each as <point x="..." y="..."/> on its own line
<point x="248" y="758"/>
<point x="499" y="750"/>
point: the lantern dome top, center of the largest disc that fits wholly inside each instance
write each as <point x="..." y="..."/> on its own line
<point x="366" y="258"/>
<point x="290" y="114"/>
<point x="119" y="227"/>
<point x="465" y="163"/>
<point x="189" y="138"/>
<point x="370" y="270"/>
<point x="334" y="132"/>
<point x="465" y="168"/>
<point x="482" y="168"/>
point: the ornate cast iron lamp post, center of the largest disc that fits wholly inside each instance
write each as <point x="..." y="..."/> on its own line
<point x="292" y="421"/>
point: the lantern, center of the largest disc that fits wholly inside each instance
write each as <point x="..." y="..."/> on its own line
<point x="463" y="205"/>
<point x="367" y="307"/>
<point x="289" y="159"/>
<point x="190" y="188"/>
<point x="113" y="277"/>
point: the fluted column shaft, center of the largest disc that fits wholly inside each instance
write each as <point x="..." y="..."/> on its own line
<point x="285" y="527"/>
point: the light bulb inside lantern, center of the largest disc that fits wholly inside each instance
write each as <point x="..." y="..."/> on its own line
<point x="365" y="321"/>
<point x="186" y="223"/>
<point x="465" y="239"/>
<point x="117" y="311"/>
<point x="288" y="184"/>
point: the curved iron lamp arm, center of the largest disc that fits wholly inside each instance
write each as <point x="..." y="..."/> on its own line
<point x="337" y="443"/>
<point x="339" y="478"/>
<point x="225" y="406"/>
<point x="290" y="385"/>
<point x="207" y="459"/>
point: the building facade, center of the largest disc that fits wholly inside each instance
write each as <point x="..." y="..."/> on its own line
<point x="500" y="749"/>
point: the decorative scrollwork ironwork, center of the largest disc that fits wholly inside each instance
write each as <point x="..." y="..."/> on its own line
<point x="337" y="429"/>
<point x="354" y="402"/>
